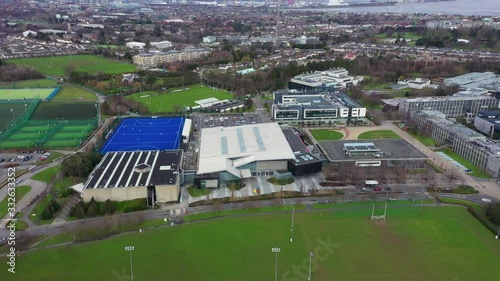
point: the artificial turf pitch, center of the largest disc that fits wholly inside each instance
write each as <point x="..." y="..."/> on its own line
<point x="444" y="243"/>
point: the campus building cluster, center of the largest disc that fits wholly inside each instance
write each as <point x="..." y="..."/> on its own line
<point x="318" y="106"/>
<point x="155" y="59"/>
<point x="337" y="77"/>
<point x="469" y="144"/>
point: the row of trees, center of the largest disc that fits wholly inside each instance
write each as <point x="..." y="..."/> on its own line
<point x="80" y="164"/>
<point x="10" y="72"/>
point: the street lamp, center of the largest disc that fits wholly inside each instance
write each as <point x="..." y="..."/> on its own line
<point x="276" y="250"/>
<point x="310" y="263"/>
<point x="130" y="249"/>
<point x="293" y="213"/>
<point x="498" y="234"/>
<point x="13" y="117"/>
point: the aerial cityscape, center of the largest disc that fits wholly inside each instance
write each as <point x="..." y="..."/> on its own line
<point x="290" y="140"/>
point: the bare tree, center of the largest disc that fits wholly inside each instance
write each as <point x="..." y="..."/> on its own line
<point x="276" y="201"/>
<point x="329" y="171"/>
<point x="451" y="175"/>
<point x="217" y="206"/>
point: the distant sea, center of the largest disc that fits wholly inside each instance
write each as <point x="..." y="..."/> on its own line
<point x="454" y="7"/>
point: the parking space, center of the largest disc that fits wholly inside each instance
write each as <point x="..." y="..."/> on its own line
<point x="226" y="120"/>
<point x="23" y="157"/>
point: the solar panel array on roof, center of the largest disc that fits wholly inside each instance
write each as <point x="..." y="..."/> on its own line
<point x="241" y="140"/>
<point x="223" y="142"/>
<point x="360" y="147"/>
<point x="258" y="136"/>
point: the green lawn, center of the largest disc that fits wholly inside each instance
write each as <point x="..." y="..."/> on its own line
<point x="47" y="175"/>
<point x="195" y="192"/>
<point x="476" y="171"/>
<point x="320" y="135"/>
<point x="436" y="246"/>
<point x="378" y="134"/>
<point x="86" y="63"/>
<point x="37" y="83"/>
<point x="425" y="140"/>
<point x="156" y="102"/>
<point x="20" y="192"/>
<point x="75" y="93"/>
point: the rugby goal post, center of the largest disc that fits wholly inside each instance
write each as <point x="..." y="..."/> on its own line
<point x="378" y="217"/>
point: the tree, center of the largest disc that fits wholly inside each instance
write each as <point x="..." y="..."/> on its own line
<point x="79" y="211"/>
<point x="217" y="206"/>
<point x="276" y="201"/>
<point x="451" y="175"/>
<point x="92" y="211"/>
<point x="329" y="171"/>
<point x="493" y="212"/>
<point x="127" y="56"/>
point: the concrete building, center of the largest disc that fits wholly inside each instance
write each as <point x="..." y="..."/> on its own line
<point x="234" y="153"/>
<point x="467" y="143"/>
<point x="337" y="77"/>
<point x="417" y="83"/>
<point x="484" y="80"/>
<point x="488" y="123"/>
<point x="123" y="176"/>
<point x="313" y="106"/>
<point x="388" y="153"/>
<point x="306" y="161"/>
<point x="209" y="39"/>
<point x="451" y="106"/>
<point x="154" y="59"/>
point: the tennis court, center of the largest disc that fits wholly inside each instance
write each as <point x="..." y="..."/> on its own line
<point x="132" y="134"/>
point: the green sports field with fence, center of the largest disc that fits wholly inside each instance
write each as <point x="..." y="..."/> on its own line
<point x="442" y="243"/>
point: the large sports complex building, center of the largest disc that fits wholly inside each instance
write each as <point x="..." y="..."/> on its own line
<point x="142" y="160"/>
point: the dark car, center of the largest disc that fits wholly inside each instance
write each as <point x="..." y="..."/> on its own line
<point x="387" y="188"/>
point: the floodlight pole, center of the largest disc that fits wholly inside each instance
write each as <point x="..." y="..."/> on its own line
<point x="293" y="215"/>
<point x="130" y="249"/>
<point x="276" y="250"/>
<point x="422" y="204"/>
<point x="310" y="265"/>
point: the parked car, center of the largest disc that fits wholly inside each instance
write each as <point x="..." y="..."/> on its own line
<point x="387" y="188"/>
<point x="377" y="189"/>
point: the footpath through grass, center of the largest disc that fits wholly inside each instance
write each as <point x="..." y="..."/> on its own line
<point x="166" y="102"/>
<point x="20" y="192"/>
<point x="55" y="65"/>
<point x="435" y="246"/>
<point x="321" y="135"/>
<point x="378" y="134"/>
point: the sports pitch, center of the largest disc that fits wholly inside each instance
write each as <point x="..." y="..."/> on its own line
<point x="320" y="135"/>
<point x="85" y="63"/>
<point x="156" y="102"/>
<point x="444" y="243"/>
<point x="19" y="94"/>
<point x="145" y="134"/>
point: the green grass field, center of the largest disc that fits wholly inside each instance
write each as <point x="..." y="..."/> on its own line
<point x="19" y="94"/>
<point x="20" y="192"/>
<point x="445" y="243"/>
<point x="86" y="63"/>
<point x="476" y="171"/>
<point x="425" y="140"/>
<point x="37" y="83"/>
<point x="156" y="102"/>
<point x="75" y="93"/>
<point x="378" y="134"/>
<point x="47" y="175"/>
<point x="320" y="135"/>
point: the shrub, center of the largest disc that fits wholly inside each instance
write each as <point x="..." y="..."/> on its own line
<point x="493" y="212"/>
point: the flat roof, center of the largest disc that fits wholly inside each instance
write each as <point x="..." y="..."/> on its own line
<point x="389" y="149"/>
<point x="136" y="168"/>
<point x="302" y="154"/>
<point x="228" y="148"/>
